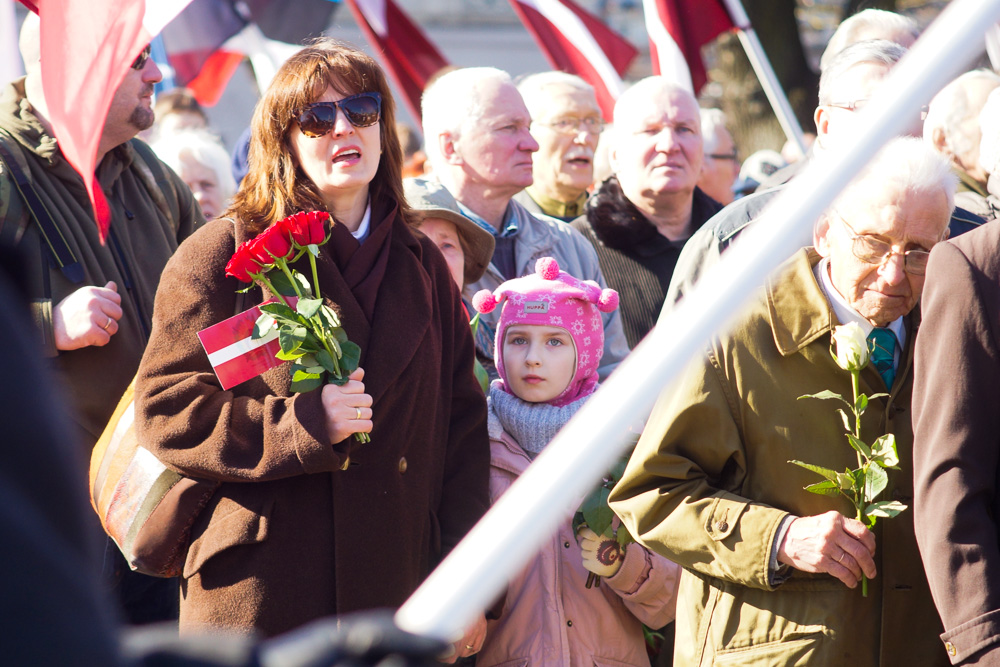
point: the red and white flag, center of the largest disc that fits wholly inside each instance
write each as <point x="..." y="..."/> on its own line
<point x="233" y="353"/>
<point x="87" y="47"/>
<point x="677" y="31"/>
<point x="404" y="49"/>
<point x="575" y="41"/>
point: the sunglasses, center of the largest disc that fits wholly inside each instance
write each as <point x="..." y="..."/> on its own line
<point x="318" y="118"/>
<point x="140" y="60"/>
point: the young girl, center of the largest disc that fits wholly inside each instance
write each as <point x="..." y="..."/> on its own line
<point x="549" y="342"/>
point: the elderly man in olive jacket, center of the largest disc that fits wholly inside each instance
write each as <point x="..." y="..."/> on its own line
<point x="771" y="571"/>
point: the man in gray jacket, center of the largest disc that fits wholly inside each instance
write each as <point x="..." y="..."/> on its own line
<point x="477" y="141"/>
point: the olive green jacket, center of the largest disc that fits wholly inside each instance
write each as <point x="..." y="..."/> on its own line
<point x="709" y="484"/>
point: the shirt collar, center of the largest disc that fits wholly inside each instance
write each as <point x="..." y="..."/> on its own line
<point x="362" y="232"/>
<point x="507" y="228"/>
<point x="845" y="312"/>
<point x="556" y="208"/>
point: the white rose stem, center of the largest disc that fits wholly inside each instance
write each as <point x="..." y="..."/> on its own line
<point x="477" y="570"/>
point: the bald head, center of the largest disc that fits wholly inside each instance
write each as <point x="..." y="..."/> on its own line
<point x="657" y="150"/>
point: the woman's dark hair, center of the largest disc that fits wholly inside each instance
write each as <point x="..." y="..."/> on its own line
<point x="275" y="187"/>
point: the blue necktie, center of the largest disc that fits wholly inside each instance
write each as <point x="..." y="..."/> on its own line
<point x="883" y="346"/>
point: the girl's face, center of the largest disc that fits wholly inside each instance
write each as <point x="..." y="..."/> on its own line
<point x="539" y="361"/>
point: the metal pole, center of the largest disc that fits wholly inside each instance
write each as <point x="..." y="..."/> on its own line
<point x="498" y="546"/>
<point x="765" y="73"/>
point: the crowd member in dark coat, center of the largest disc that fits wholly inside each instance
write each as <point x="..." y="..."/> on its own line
<point x="308" y="522"/>
<point x="957" y="443"/>
<point x="640" y="219"/>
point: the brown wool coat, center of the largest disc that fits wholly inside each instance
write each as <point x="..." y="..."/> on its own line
<point x="956" y="448"/>
<point x="289" y="537"/>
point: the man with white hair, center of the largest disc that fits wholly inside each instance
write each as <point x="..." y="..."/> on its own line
<point x="721" y="166"/>
<point x="869" y="24"/>
<point x="771" y="570"/>
<point x="989" y="150"/>
<point x="640" y="218"/>
<point x="478" y="142"/>
<point x="952" y="128"/>
<point x="845" y="86"/>
<point x="566" y="122"/>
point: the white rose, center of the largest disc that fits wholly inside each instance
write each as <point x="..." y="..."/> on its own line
<point x="851" y="346"/>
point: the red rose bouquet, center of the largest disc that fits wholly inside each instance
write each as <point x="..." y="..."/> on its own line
<point x="310" y="334"/>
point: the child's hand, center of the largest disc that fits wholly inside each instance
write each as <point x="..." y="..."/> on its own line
<point x="601" y="554"/>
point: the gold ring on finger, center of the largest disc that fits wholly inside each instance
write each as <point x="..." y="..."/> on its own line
<point x="840" y="558"/>
<point x="107" y="324"/>
<point x="359" y="412"/>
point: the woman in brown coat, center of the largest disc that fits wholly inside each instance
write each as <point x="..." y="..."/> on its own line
<point x="307" y="522"/>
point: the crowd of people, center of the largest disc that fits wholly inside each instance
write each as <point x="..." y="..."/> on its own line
<point x="719" y="554"/>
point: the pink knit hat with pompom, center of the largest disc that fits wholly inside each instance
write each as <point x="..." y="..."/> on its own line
<point x="551" y="297"/>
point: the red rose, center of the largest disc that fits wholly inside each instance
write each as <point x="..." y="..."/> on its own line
<point x="306" y="228"/>
<point x="271" y="244"/>
<point x="242" y="263"/>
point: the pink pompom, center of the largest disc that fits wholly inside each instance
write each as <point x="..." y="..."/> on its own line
<point x="608" y="301"/>
<point x="484" y="301"/>
<point x="547" y="268"/>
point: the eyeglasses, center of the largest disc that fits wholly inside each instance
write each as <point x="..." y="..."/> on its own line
<point x="140" y="60"/>
<point x="873" y="251"/>
<point x="858" y="105"/>
<point x="318" y="118"/>
<point x="575" y="126"/>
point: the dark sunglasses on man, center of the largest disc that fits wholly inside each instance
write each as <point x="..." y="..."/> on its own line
<point x="140" y="60"/>
<point x="318" y="118"/>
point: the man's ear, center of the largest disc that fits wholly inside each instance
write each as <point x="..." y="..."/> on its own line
<point x="820" y="232"/>
<point x="446" y="144"/>
<point x="822" y="119"/>
<point x="940" y="141"/>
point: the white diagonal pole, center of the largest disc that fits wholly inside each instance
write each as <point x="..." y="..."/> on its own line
<point x="478" y="569"/>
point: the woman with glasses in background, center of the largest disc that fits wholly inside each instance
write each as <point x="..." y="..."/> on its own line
<point x="307" y="522"/>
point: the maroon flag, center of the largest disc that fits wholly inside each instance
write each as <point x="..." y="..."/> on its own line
<point x="677" y="31"/>
<point x="403" y="48"/>
<point x="575" y="41"/>
<point x="87" y="47"/>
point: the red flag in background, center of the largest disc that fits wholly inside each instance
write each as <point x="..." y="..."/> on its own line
<point x="677" y="31"/>
<point x="405" y="50"/>
<point x="194" y="40"/>
<point x="575" y="41"/>
<point x="87" y="47"/>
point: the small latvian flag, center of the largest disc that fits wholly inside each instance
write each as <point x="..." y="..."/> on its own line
<point x="234" y="355"/>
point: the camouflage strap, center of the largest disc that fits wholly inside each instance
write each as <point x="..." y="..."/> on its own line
<point x="53" y="237"/>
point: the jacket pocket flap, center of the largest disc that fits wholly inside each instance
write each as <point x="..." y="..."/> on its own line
<point x="723" y="518"/>
<point x="241" y="526"/>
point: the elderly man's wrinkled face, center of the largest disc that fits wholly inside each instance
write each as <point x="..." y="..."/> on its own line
<point x="495" y="148"/>
<point x="658" y="148"/>
<point x="882" y="291"/>
<point x="567" y="130"/>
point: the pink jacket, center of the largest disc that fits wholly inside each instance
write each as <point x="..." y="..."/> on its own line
<point x="550" y="618"/>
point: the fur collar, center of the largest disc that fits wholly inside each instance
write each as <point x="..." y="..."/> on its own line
<point x="618" y="224"/>
<point x="615" y="220"/>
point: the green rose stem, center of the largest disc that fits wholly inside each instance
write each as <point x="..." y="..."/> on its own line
<point x="262" y="277"/>
<point x="312" y="264"/>
<point x="856" y="387"/>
